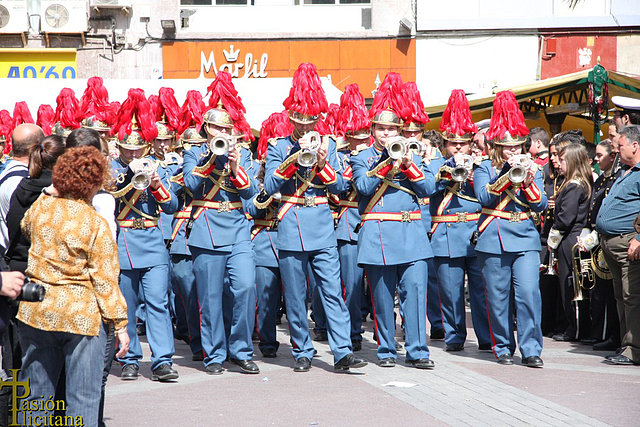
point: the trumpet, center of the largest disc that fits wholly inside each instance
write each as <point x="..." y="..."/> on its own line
<point x="172" y="158"/>
<point x="417" y="147"/>
<point x="462" y="169"/>
<point x="582" y="272"/>
<point x="550" y="267"/>
<point x="222" y="144"/>
<point x="519" y="168"/>
<point x="308" y="156"/>
<point x="143" y="170"/>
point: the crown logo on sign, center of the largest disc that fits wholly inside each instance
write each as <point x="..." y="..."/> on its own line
<point x="231" y="55"/>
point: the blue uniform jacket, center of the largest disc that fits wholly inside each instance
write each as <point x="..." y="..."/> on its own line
<point x="207" y="177"/>
<point x="263" y="234"/>
<point x="179" y="244"/>
<point x="302" y="228"/>
<point x="391" y="242"/>
<point x="140" y="247"/>
<point x="424" y="202"/>
<point x="503" y="235"/>
<point x="452" y="239"/>
<point x="348" y="214"/>
<point x="166" y="171"/>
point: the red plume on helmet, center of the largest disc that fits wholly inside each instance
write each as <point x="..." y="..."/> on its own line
<point x="223" y="92"/>
<point x="192" y="111"/>
<point x="327" y="126"/>
<point x="136" y="105"/>
<point x="45" y="118"/>
<point x="389" y="96"/>
<point x="67" y="109"/>
<point x="506" y="117"/>
<point x="109" y="113"/>
<point x="169" y="107"/>
<point x="6" y="128"/>
<point x="277" y="125"/>
<point x="21" y="114"/>
<point x="306" y="95"/>
<point x="415" y="110"/>
<point x="244" y="128"/>
<point x="456" y="118"/>
<point x="94" y="99"/>
<point x="353" y="114"/>
<point x="156" y="108"/>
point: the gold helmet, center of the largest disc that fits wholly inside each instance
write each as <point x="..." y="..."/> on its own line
<point x="93" y="123"/>
<point x="163" y="131"/>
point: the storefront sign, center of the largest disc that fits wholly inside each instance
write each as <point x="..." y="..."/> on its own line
<point x="38" y="63"/>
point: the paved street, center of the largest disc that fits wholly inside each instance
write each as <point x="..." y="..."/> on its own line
<point x="466" y="388"/>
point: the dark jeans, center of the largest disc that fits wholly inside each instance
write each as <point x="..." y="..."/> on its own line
<point x="45" y="352"/>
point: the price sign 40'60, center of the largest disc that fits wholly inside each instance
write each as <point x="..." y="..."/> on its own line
<point x="44" y="72"/>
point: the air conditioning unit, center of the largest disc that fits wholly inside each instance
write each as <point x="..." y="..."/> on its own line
<point x="111" y="3"/>
<point x="14" y="17"/>
<point x="64" y="16"/>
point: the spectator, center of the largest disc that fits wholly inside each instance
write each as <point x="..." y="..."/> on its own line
<point x="41" y="162"/>
<point x="74" y="260"/>
<point x="25" y="137"/>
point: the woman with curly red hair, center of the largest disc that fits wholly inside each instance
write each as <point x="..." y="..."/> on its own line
<point x="74" y="257"/>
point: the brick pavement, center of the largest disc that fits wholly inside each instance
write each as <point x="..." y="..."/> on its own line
<point x="466" y="388"/>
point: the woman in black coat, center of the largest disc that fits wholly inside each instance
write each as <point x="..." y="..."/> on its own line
<point x="41" y="162"/>
<point x="570" y="217"/>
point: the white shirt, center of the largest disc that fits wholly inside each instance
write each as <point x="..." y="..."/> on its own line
<point x="6" y="191"/>
<point x="105" y="205"/>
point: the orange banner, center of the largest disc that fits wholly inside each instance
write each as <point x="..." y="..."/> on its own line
<point x="347" y="61"/>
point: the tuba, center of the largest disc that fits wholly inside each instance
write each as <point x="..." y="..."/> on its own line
<point x="582" y="272"/>
<point x="143" y="170"/>
<point x="520" y="167"/>
<point x="308" y="156"/>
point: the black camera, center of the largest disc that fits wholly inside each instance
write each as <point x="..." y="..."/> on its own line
<point x="31" y="292"/>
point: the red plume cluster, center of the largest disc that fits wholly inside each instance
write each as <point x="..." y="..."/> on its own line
<point x="223" y="91"/>
<point x="192" y="111"/>
<point x="412" y="99"/>
<point x="456" y="118"/>
<point x="353" y="114"/>
<point x="306" y="95"/>
<point x="6" y="128"/>
<point x="109" y="113"/>
<point x="328" y="125"/>
<point x="67" y="109"/>
<point x="277" y="125"/>
<point x="169" y="106"/>
<point x="94" y="99"/>
<point x="45" y="118"/>
<point x="21" y="114"/>
<point x="506" y="117"/>
<point x="389" y="95"/>
<point x="135" y="105"/>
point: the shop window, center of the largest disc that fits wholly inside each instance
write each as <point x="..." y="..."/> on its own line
<point x="334" y="1"/>
<point x="216" y="2"/>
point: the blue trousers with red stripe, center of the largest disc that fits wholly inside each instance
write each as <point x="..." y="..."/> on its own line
<point x="325" y="268"/>
<point x="210" y="267"/>
<point x="451" y="273"/>
<point x="269" y="290"/>
<point x="434" y="315"/>
<point x="184" y="285"/>
<point x="411" y="280"/>
<point x="351" y="276"/>
<point x="517" y="273"/>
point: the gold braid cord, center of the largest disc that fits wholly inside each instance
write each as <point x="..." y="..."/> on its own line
<point x="381" y="165"/>
<point x="288" y="162"/>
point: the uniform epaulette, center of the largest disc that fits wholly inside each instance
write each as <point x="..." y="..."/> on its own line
<point x="273" y="141"/>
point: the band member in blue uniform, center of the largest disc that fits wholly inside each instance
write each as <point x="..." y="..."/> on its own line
<point x="392" y="243"/>
<point x="455" y="212"/>
<point x="413" y="127"/>
<point x="182" y="277"/>
<point x="140" y="194"/>
<point x="220" y="236"/>
<point x="305" y="232"/>
<point x="508" y="187"/>
<point x="355" y="126"/>
<point x="264" y="235"/>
